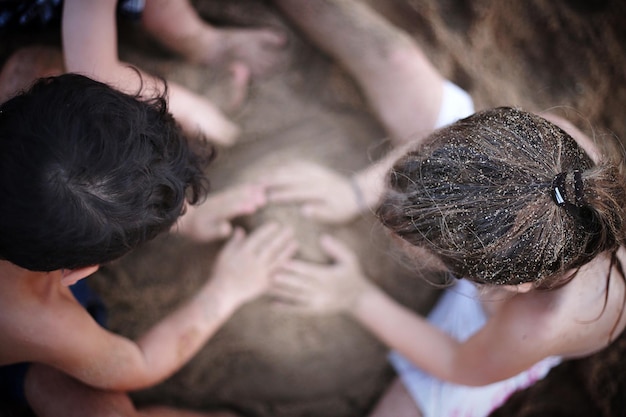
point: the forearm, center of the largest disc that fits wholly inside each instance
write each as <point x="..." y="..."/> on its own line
<point x="172" y="342"/>
<point x="406" y="332"/>
<point x="186" y="106"/>
<point x="89" y="33"/>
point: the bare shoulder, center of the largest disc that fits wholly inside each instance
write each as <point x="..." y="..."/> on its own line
<point x="38" y="318"/>
<point x="583" y="316"/>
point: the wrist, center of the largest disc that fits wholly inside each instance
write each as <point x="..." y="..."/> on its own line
<point x="358" y="299"/>
<point x="217" y="302"/>
<point x="358" y="195"/>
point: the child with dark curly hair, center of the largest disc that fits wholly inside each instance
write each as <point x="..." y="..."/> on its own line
<point x="88" y="173"/>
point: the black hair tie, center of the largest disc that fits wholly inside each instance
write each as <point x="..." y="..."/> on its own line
<point x="578" y="188"/>
<point x="559" y="195"/>
<point x="558" y="189"/>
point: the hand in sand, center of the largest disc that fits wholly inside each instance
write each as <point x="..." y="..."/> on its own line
<point x="322" y="288"/>
<point x="211" y="219"/>
<point x="324" y="194"/>
<point x="245" y="265"/>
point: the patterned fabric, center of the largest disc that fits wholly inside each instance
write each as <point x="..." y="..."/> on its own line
<point x="42" y="14"/>
<point x="455" y="104"/>
<point x="35" y="14"/>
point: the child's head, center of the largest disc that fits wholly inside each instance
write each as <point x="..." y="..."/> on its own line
<point x="505" y="197"/>
<point x="87" y="173"/>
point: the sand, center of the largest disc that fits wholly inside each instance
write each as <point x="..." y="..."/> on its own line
<point x="566" y="56"/>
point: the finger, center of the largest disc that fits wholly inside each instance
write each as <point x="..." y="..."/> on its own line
<point x="276" y="244"/>
<point x="239" y="82"/>
<point x="251" y="198"/>
<point x="337" y="250"/>
<point x="288" y="306"/>
<point x="316" y="212"/>
<point x="289" y="295"/>
<point x="261" y="236"/>
<point x="236" y="240"/>
<point x="291" y="281"/>
<point x="236" y="201"/>
<point x="305" y="269"/>
<point x="215" y="232"/>
<point x="286" y="253"/>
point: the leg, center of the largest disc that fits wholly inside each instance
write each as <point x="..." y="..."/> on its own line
<point x="177" y="25"/>
<point x="172" y="412"/>
<point x="396" y="402"/>
<point x="401" y="84"/>
<point x="51" y="393"/>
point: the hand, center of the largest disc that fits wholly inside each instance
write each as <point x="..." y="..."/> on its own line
<point x="324" y="194"/>
<point x="322" y="288"/>
<point x="245" y="265"/>
<point x="211" y="219"/>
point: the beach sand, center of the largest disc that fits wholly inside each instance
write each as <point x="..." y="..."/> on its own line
<point x="565" y="56"/>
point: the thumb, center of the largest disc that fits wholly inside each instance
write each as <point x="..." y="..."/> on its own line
<point x="236" y="239"/>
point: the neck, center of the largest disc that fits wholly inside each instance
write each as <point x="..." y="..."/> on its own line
<point x="11" y="273"/>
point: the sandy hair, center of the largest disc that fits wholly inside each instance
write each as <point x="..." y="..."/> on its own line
<point x="479" y="194"/>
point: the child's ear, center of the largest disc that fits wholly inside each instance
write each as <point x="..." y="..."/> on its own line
<point x="525" y="287"/>
<point x="72" y="276"/>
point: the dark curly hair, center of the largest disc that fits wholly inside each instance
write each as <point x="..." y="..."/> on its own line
<point x="480" y="194"/>
<point x="88" y="173"/>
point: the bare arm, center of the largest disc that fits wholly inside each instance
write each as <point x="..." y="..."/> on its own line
<point x="504" y="347"/>
<point x="89" y="33"/>
<point x="102" y="359"/>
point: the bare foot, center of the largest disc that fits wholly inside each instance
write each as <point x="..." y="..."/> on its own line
<point x="259" y="49"/>
<point x="240" y="80"/>
<point x="211" y="219"/>
<point x="25" y="66"/>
